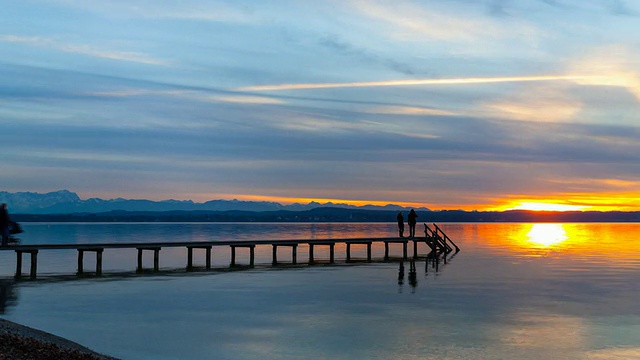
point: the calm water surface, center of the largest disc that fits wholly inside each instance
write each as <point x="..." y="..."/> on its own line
<point x="515" y="291"/>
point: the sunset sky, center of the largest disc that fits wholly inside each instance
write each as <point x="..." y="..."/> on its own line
<point x="455" y="104"/>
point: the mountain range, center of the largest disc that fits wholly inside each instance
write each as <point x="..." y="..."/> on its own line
<point x="67" y="202"/>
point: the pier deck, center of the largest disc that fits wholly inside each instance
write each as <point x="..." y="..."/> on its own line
<point x="436" y="242"/>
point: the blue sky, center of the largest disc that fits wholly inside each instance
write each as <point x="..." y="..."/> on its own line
<point x="447" y="104"/>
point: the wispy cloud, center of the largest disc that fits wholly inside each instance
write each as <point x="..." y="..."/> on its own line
<point x="410" y="110"/>
<point x="416" y="82"/>
<point x="614" y="65"/>
<point x="216" y="11"/>
<point x="128" y="56"/>
<point x="247" y="100"/>
<point x="190" y="94"/>
<point x="138" y="92"/>
<point x="545" y="104"/>
<point x="409" y="21"/>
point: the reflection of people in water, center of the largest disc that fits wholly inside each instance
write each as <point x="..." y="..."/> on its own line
<point x="412" y="223"/>
<point x="4" y="224"/>
<point x="413" y="276"/>
<point x="400" y="224"/>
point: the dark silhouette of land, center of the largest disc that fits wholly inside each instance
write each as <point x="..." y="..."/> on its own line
<point x="327" y="214"/>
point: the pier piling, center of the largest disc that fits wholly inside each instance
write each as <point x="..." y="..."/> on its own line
<point x="156" y="257"/>
<point x="98" y="252"/>
<point x="294" y="252"/>
<point x="251" y="253"/>
<point x="368" y="243"/>
<point x="34" y="262"/>
<point x="207" y="249"/>
<point x="331" y="251"/>
<point x="399" y="241"/>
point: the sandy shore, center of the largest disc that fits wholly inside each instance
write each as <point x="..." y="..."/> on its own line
<point x="18" y="342"/>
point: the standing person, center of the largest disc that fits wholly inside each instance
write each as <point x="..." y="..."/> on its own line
<point x="412" y="223"/>
<point x="400" y="224"/>
<point x="4" y="224"/>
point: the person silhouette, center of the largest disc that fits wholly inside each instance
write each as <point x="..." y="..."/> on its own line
<point x="412" y="223"/>
<point x="4" y="224"/>
<point x="400" y="224"/>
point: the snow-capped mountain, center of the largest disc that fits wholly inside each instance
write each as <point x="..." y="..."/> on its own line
<point x="66" y="202"/>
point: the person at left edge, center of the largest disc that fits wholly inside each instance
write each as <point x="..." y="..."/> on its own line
<point x="4" y="224"/>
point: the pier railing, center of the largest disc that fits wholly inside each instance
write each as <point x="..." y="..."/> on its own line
<point x="432" y="237"/>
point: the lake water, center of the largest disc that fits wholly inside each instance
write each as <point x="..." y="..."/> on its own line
<point x="515" y="291"/>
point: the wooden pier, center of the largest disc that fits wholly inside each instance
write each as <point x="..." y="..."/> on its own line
<point x="437" y="241"/>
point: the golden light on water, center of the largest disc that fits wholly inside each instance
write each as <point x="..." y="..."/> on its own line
<point x="547" y="235"/>
<point x="564" y="239"/>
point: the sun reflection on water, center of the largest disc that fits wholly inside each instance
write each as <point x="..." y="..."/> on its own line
<point x="546" y="235"/>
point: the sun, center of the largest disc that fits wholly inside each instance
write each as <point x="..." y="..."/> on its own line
<point x="544" y="206"/>
<point x="547" y="235"/>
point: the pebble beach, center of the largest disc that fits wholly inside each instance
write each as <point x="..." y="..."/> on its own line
<point x="18" y="342"/>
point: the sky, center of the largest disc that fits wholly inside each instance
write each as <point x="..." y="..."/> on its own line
<point x="449" y="104"/>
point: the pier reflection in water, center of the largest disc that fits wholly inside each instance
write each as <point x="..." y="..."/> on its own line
<point x="8" y="295"/>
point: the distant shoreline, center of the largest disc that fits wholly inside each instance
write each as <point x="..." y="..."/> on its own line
<point x="334" y="215"/>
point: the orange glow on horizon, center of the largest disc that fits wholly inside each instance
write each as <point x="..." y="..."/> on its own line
<point x="555" y="202"/>
<point x="544" y="206"/>
<point x="570" y="202"/>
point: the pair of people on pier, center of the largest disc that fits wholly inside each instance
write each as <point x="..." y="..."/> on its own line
<point x="411" y="221"/>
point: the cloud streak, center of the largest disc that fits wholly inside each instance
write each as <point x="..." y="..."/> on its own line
<point x="418" y="82"/>
<point x="128" y="56"/>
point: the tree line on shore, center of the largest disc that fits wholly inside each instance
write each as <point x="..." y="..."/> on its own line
<point x="333" y="215"/>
